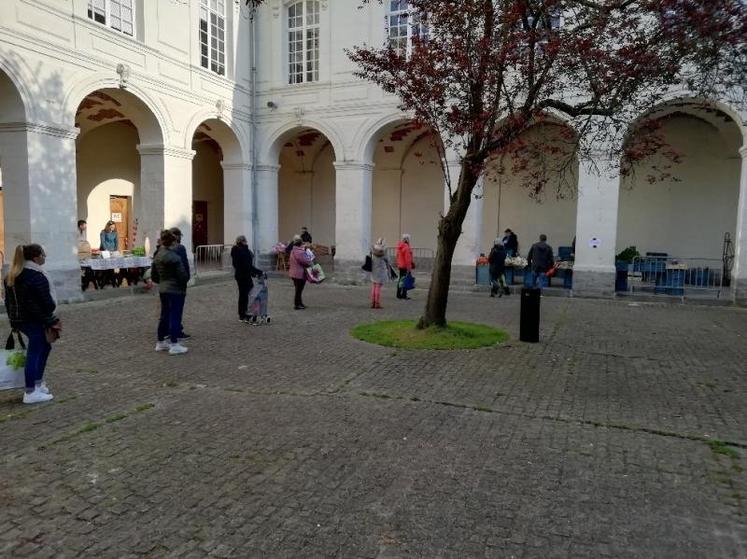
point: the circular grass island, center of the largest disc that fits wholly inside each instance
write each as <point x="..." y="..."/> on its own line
<point x="403" y="334"/>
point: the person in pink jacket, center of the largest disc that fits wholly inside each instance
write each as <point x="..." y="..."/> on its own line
<point x="404" y="263"/>
<point x="297" y="264"/>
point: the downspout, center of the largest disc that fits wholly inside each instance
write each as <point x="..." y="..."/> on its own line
<point x="253" y="128"/>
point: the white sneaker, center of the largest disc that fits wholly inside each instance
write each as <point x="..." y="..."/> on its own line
<point x="43" y="388"/>
<point x="36" y="397"/>
<point x="163" y="346"/>
<point x="177" y="349"/>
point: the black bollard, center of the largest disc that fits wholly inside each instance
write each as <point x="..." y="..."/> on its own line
<point x="529" y="325"/>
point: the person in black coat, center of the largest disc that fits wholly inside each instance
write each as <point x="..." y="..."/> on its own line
<point x="243" y="264"/>
<point x="31" y="304"/>
<point x="181" y="251"/>
<point x="511" y="243"/>
<point x="497" y="262"/>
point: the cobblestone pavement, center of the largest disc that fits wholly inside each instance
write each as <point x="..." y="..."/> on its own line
<point x="295" y="440"/>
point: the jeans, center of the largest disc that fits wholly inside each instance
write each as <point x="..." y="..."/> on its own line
<point x="37" y="354"/>
<point x="170" y="323"/>
<point x="539" y="279"/>
<point x="401" y="291"/>
<point x="245" y="286"/>
<point x="299" y="285"/>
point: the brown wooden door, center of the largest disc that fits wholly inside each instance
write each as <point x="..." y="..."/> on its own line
<point x="119" y="207"/>
<point x="199" y="223"/>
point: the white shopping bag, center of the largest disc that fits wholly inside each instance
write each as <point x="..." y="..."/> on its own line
<point x="12" y="359"/>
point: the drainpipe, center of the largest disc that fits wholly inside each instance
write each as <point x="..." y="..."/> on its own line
<point x="253" y="108"/>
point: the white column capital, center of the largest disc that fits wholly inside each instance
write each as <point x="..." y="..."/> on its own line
<point x="166" y="151"/>
<point x="353" y="166"/>
<point x="44" y="128"/>
<point x="236" y="166"/>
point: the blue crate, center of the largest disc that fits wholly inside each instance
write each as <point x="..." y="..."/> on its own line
<point x="564" y="253"/>
<point x="482" y="275"/>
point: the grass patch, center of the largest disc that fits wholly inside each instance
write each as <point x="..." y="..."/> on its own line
<point x="144" y="407"/>
<point x="117" y="417"/>
<point x="403" y="334"/>
<point x="720" y="447"/>
<point x="88" y="427"/>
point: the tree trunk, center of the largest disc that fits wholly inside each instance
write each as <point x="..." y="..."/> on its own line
<point x="449" y="231"/>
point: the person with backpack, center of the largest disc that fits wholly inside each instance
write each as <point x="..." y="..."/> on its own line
<point x="31" y="303"/>
<point x="540" y="259"/>
<point x="169" y="273"/>
<point x="497" y="263"/>
<point x="243" y="264"/>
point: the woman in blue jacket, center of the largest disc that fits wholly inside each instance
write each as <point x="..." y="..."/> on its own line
<point x="31" y="303"/>
<point x="109" y="238"/>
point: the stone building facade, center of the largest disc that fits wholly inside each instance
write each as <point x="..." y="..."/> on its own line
<point x="191" y="113"/>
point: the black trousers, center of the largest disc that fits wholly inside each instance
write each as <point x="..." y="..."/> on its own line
<point x="245" y="286"/>
<point x="299" y="285"/>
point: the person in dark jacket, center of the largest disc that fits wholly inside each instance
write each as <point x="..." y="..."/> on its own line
<point x="30" y="302"/>
<point x="540" y="259"/>
<point x="243" y="264"/>
<point x="497" y="261"/>
<point x="169" y="273"/>
<point x="510" y="243"/>
<point x="182" y="252"/>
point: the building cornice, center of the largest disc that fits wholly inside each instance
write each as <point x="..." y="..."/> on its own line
<point x="166" y="151"/>
<point x="44" y="128"/>
<point x="353" y="166"/>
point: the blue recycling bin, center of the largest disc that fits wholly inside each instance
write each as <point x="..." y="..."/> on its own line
<point x="568" y="279"/>
<point x="482" y="275"/>
<point x="509" y="273"/>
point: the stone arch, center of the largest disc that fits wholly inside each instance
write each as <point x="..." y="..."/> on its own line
<point x="23" y="109"/>
<point x="232" y="138"/>
<point x="153" y="131"/>
<point x="270" y="151"/>
<point x="364" y="144"/>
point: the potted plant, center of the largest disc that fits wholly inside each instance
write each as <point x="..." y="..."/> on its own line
<point x="622" y="265"/>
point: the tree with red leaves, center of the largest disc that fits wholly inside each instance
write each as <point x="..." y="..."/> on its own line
<point x="485" y="71"/>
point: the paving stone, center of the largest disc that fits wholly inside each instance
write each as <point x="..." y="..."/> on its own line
<point x="295" y="440"/>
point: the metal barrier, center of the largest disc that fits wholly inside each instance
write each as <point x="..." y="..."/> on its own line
<point x="423" y="258"/>
<point x="677" y="277"/>
<point x="212" y="258"/>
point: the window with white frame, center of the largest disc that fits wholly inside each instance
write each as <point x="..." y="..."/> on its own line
<point x="403" y="27"/>
<point x="303" y="42"/>
<point x="213" y="35"/>
<point x="117" y="14"/>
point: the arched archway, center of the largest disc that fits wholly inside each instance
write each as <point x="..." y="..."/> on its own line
<point x="531" y="188"/>
<point x="307" y="185"/>
<point x="120" y="167"/>
<point x="219" y="177"/>
<point x="682" y="200"/>
<point x="408" y="185"/>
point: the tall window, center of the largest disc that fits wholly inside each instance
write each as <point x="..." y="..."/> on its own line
<point x="303" y="42"/>
<point x="213" y="35"/>
<point x="117" y="14"/>
<point x="403" y="27"/>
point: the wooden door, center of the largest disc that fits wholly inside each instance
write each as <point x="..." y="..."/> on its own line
<point x="119" y="207"/>
<point x="199" y="223"/>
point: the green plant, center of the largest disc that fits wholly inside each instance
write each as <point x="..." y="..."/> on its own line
<point x="628" y="254"/>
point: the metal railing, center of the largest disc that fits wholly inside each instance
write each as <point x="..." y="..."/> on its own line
<point x="677" y="277"/>
<point x="212" y="258"/>
<point x="423" y="258"/>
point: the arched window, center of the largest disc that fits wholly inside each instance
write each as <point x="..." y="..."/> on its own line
<point x="403" y="27"/>
<point x="303" y="42"/>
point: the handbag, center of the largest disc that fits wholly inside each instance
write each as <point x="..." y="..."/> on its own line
<point x="368" y="264"/>
<point x="409" y="282"/>
<point x="315" y="274"/>
<point x="12" y="362"/>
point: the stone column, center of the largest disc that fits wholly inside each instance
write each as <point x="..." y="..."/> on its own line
<point x="237" y="201"/>
<point x="596" y="229"/>
<point x="267" y="208"/>
<point x="353" y="207"/>
<point x="739" y="271"/>
<point x="165" y="195"/>
<point x="40" y="197"/>
<point x="469" y="245"/>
